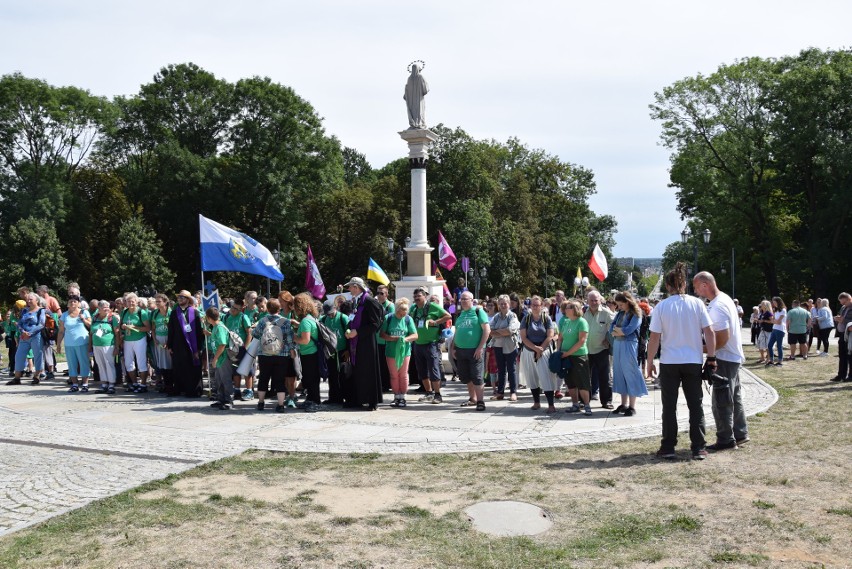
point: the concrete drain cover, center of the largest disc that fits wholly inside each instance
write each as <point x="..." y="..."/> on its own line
<point x="506" y="518"/>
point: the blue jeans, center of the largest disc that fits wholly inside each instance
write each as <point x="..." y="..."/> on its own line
<point x="506" y="365"/>
<point x="777" y="337"/>
<point x="78" y="360"/>
<point x="34" y="343"/>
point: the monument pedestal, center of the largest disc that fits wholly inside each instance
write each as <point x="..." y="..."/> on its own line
<point x="419" y="252"/>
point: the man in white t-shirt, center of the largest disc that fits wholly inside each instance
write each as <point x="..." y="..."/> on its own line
<point x="728" y="411"/>
<point x="678" y="324"/>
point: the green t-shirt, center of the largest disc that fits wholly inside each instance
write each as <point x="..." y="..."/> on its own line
<point x="798" y="318"/>
<point x="393" y="326"/>
<point x="469" y="328"/>
<point x="136" y="319"/>
<point x="238" y="324"/>
<point x="570" y="330"/>
<point x="219" y="337"/>
<point x="389" y="308"/>
<point x="308" y="324"/>
<point x="160" y="322"/>
<point x="102" y="331"/>
<point x="339" y="323"/>
<point x="430" y="311"/>
<point x="252" y="314"/>
<point x="12" y="325"/>
<point x="261" y="316"/>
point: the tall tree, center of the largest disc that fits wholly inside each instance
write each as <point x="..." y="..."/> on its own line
<point x="33" y="256"/>
<point x="137" y="262"/>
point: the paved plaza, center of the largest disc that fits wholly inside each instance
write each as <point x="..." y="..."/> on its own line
<point x="60" y="450"/>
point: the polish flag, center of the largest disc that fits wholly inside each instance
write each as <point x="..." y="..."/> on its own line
<point x="598" y="263"/>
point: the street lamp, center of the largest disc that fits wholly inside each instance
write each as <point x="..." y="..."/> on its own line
<point x="684" y="238"/>
<point x="398" y="253"/>
<point x="276" y="254"/>
<point x="581" y="284"/>
<point x="482" y="274"/>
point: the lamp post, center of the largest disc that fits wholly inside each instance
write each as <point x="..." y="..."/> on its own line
<point x="684" y="238"/>
<point x="581" y="284"/>
<point x="480" y="276"/>
<point x="397" y="252"/>
<point x="276" y="254"/>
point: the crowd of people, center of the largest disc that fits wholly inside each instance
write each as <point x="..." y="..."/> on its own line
<point x="583" y="349"/>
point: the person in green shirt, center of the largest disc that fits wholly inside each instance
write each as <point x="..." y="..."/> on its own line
<point x="798" y="322"/>
<point x="135" y="326"/>
<point x="160" y="356"/>
<point x="338" y="323"/>
<point x="307" y="339"/>
<point x="387" y="305"/>
<point x="573" y="332"/>
<point x="472" y="332"/>
<point x="102" y="342"/>
<point x="428" y="319"/>
<point x="236" y="321"/>
<point x="398" y="331"/>
<point x="261" y="309"/>
<point x="223" y="369"/>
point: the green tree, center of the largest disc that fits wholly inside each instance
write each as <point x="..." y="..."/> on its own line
<point x="137" y="262"/>
<point x="46" y="133"/>
<point x="33" y="255"/>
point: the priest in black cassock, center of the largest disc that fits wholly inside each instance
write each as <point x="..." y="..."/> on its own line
<point x="366" y="388"/>
<point x="186" y="343"/>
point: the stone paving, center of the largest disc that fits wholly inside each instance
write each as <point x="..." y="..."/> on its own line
<point x="63" y="450"/>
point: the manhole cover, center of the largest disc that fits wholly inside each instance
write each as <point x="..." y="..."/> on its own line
<point x="505" y="518"/>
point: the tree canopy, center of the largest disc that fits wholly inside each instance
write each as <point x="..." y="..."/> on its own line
<point x="123" y="181"/>
<point x="760" y="156"/>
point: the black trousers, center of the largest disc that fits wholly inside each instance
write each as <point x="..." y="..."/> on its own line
<point x="601" y="375"/>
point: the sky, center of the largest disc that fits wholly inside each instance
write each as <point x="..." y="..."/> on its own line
<point x="572" y="78"/>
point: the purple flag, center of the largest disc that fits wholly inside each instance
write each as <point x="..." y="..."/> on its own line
<point x="313" y="280"/>
<point x="446" y="257"/>
<point x="465" y="264"/>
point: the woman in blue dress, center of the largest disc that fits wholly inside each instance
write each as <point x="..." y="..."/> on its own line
<point x="627" y="379"/>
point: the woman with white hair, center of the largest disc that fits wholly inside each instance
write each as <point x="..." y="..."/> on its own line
<point x="30" y="325"/>
<point x="134" y="342"/>
<point x="102" y="344"/>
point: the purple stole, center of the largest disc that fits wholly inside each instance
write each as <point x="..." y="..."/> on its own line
<point x="191" y="339"/>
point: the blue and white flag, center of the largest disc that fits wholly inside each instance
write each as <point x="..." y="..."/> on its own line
<point x="224" y="249"/>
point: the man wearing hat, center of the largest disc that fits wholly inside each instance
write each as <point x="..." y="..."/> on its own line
<point x="363" y="350"/>
<point x="185" y="341"/>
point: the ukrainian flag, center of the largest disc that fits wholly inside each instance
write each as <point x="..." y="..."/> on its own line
<point x="375" y="273"/>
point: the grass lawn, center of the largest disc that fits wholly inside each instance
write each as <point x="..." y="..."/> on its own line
<point x="781" y="500"/>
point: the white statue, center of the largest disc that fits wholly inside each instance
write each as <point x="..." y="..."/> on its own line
<point x="415" y="93"/>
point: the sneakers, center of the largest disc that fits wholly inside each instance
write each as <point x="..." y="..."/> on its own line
<point x="84" y="388"/>
<point x="743" y="441"/>
<point x="261" y="405"/>
<point x="717" y="446"/>
<point x="426" y="398"/>
<point x="666" y="454"/>
<point x="74" y="389"/>
<point x="402" y="403"/>
<point x="248" y="394"/>
<point x="629" y="412"/>
<point x="588" y="411"/>
<point x="437" y="398"/>
<point x="279" y="408"/>
<point x="50" y="376"/>
<point x="110" y="390"/>
<point x="573" y="409"/>
<point x="291" y="403"/>
<point x="699" y="454"/>
<point x="140" y="388"/>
